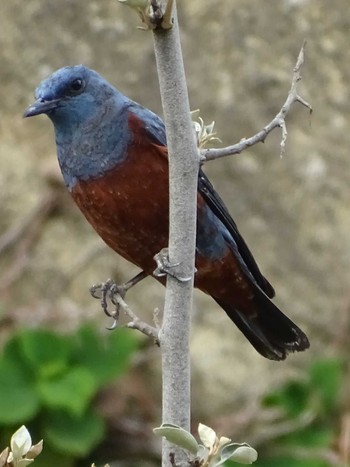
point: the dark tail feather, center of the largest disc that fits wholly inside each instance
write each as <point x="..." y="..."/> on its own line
<point x="271" y="333"/>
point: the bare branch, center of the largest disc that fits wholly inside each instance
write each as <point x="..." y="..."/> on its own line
<point x="136" y="322"/>
<point x="183" y="180"/>
<point x="278" y="120"/>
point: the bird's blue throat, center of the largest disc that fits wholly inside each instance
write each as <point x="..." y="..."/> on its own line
<point x="89" y="145"/>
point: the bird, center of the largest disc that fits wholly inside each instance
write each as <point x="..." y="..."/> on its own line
<point x="113" y="157"/>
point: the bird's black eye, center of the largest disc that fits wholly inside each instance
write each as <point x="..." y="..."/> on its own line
<point x="77" y="85"/>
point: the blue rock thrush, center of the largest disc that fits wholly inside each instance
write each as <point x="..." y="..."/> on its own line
<point x="113" y="157"/>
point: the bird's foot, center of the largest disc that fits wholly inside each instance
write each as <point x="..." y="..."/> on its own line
<point x="105" y="292"/>
<point x="166" y="267"/>
<point x="109" y="291"/>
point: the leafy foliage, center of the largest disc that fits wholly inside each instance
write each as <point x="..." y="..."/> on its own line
<point x="213" y="451"/>
<point x="310" y="405"/>
<point x="49" y="381"/>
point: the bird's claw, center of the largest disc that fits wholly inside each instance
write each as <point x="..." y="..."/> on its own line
<point x="166" y="267"/>
<point x="113" y="325"/>
<point x="108" y="291"/>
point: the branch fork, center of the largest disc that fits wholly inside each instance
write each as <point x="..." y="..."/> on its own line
<point x="153" y="14"/>
<point x="279" y="121"/>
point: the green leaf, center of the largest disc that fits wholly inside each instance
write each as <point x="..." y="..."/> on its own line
<point x="105" y="356"/>
<point x="72" y="391"/>
<point x="178" y="436"/>
<point x="326" y="380"/>
<point x="207" y="435"/>
<point x="19" y="401"/>
<point x="293" y="397"/>
<point x="75" y="436"/>
<point x="13" y="351"/>
<point x="46" y="352"/>
<point x="238" y="452"/>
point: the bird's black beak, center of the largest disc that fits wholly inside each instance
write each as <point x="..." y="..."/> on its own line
<point x="41" y="106"/>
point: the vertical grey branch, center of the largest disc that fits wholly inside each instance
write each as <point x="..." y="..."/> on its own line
<point x="183" y="172"/>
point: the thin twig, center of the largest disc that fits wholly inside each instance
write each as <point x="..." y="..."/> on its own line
<point x="137" y="323"/>
<point x="277" y="121"/>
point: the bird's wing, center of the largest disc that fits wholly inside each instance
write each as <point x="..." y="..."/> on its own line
<point x="155" y="131"/>
<point x="152" y="124"/>
<point x="218" y="207"/>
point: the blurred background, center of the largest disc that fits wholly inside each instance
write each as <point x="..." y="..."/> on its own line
<point x="94" y="395"/>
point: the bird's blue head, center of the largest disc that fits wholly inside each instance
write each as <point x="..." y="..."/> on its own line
<point x="90" y="120"/>
<point x="70" y="95"/>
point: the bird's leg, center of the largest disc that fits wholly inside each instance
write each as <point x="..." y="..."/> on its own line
<point x="165" y="267"/>
<point x="110" y="290"/>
